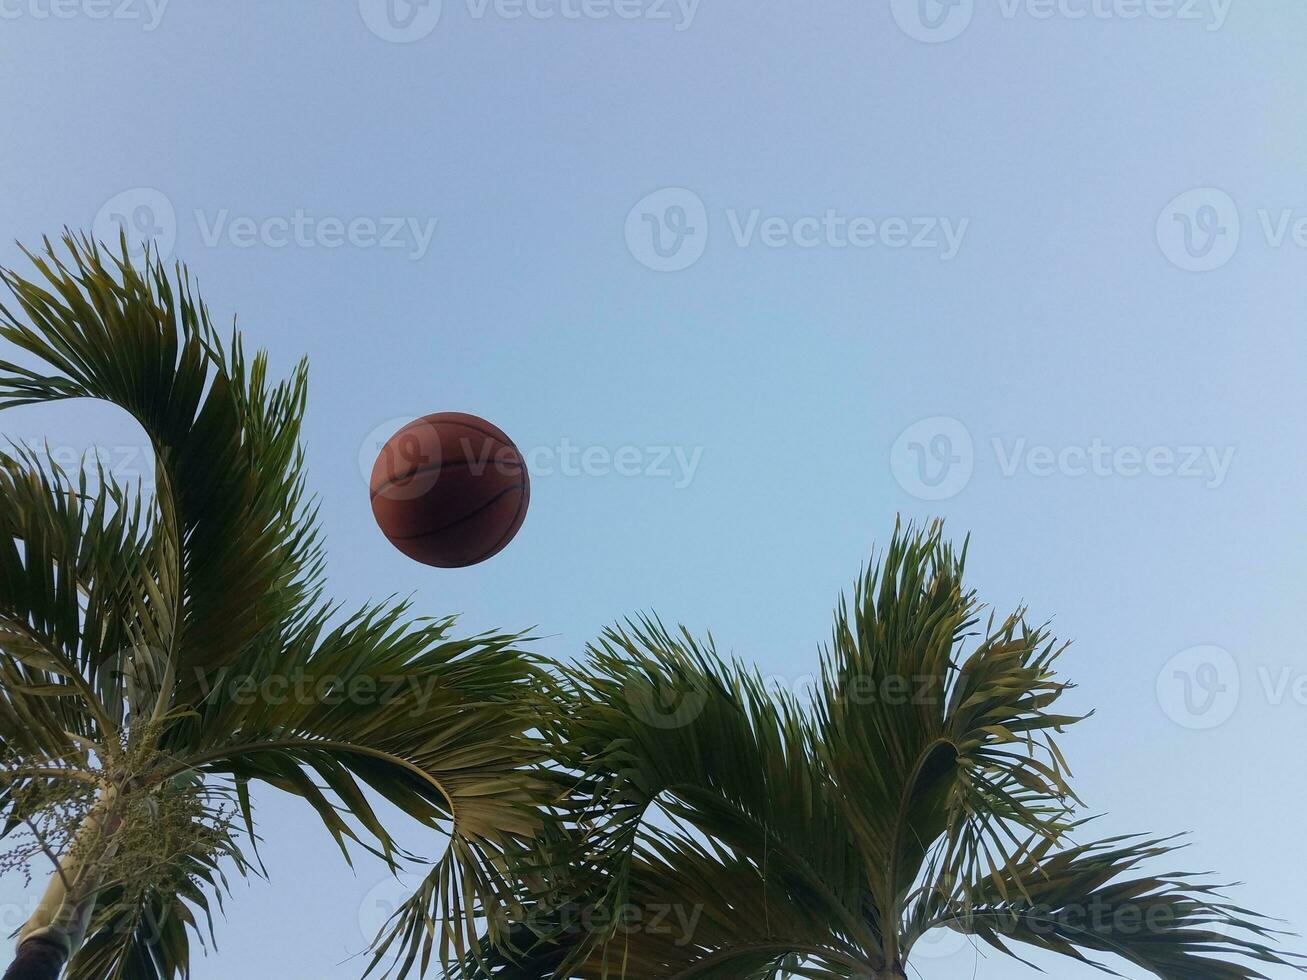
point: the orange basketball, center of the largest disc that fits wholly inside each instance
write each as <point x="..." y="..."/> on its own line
<point x="449" y="490"/>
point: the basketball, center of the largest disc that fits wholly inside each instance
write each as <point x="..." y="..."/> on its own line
<point x="449" y="490"/>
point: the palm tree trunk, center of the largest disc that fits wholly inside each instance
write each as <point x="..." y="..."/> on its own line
<point x="891" y="973"/>
<point x="37" y="959"/>
<point x="57" y="927"/>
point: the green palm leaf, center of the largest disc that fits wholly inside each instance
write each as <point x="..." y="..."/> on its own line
<point x="1097" y="898"/>
<point x="919" y="785"/>
<point x="152" y="640"/>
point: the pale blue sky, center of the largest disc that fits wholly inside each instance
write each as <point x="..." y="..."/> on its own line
<point x="774" y="393"/>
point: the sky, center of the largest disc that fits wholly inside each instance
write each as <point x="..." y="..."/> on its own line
<point x="746" y="281"/>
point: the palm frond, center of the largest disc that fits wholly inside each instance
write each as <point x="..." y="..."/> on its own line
<point x="823" y="839"/>
<point x="1098" y="898"/>
<point x="927" y="744"/>
<point x="656" y="728"/>
<point x="74" y="554"/>
<point x="692" y="908"/>
<point x="435" y="725"/>
<point x="170" y="620"/>
<point x="230" y="483"/>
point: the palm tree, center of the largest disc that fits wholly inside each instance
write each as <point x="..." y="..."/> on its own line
<point x="162" y="650"/>
<point x="727" y="831"/>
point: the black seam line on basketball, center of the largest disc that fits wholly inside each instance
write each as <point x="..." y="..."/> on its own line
<point x="497" y="436"/>
<point x="460" y="520"/>
<point x="513" y="526"/>
<point x="452" y="464"/>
